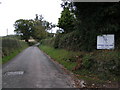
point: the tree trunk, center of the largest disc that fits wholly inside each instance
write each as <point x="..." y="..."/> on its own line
<point x="26" y="40"/>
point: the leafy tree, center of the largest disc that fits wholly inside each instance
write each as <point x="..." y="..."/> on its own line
<point x="31" y="28"/>
<point x="24" y="28"/>
<point x="39" y="30"/>
<point x="96" y="19"/>
<point x="91" y="19"/>
<point x="66" y="21"/>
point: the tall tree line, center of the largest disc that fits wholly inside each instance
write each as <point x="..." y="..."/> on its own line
<point x="89" y="20"/>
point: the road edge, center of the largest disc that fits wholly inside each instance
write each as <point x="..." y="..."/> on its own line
<point x="76" y="82"/>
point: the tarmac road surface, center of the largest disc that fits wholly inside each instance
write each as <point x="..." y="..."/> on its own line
<point x="33" y="69"/>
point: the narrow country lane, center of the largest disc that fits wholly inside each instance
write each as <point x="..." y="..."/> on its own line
<point x="33" y="69"/>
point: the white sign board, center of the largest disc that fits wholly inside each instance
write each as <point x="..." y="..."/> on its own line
<point x="105" y="41"/>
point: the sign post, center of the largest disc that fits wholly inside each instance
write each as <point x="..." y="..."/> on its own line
<point x="105" y="41"/>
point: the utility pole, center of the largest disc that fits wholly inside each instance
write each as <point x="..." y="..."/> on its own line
<point x="7" y="31"/>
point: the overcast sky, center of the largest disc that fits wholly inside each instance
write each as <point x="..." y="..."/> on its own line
<point x="12" y="10"/>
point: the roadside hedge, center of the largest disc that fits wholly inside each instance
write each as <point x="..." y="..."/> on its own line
<point x="9" y="45"/>
<point x="48" y="42"/>
<point x="105" y="64"/>
<point x="69" y="41"/>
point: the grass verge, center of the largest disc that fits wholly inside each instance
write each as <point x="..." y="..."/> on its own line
<point x="93" y="63"/>
<point x="12" y="55"/>
<point x="60" y="55"/>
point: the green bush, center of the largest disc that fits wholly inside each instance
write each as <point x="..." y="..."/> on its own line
<point x="9" y="45"/>
<point x="74" y="41"/>
<point x="69" y="41"/>
<point x="88" y="62"/>
<point x="49" y="42"/>
<point x="56" y="42"/>
<point x="105" y="64"/>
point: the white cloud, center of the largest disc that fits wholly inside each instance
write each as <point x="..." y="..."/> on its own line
<point x="12" y="10"/>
